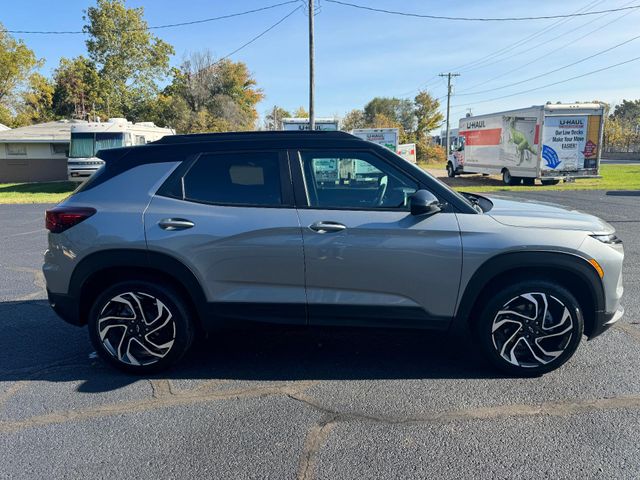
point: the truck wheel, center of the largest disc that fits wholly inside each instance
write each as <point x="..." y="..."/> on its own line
<point x="507" y="179"/>
<point x="530" y="328"/>
<point x="550" y="182"/>
<point x="451" y="173"/>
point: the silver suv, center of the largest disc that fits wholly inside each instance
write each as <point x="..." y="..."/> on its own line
<point x="195" y="232"/>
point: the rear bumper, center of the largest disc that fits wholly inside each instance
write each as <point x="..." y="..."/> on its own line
<point x="66" y="307"/>
<point x="605" y="320"/>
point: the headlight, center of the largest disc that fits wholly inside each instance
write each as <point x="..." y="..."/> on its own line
<point x="610" y="239"/>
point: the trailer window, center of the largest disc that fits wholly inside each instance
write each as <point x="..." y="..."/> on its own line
<point x="108" y="140"/>
<point x="81" y="145"/>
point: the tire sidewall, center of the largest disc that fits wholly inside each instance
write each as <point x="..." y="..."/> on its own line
<point x="483" y="325"/>
<point x="180" y="316"/>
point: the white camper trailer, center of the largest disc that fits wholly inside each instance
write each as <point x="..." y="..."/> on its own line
<point x="550" y="142"/>
<point x="89" y="137"/>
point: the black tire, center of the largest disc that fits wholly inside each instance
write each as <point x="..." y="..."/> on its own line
<point x="524" y="347"/>
<point x="507" y="179"/>
<point x="451" y="173"/>
<point x="528" y="181"/>
<point x="550" y="182"/>
<point x="154" y="345"/>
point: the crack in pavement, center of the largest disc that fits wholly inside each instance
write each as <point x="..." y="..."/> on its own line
<point x="318" y="434"/>
<point x="149" y="404"/>
<point x="552" y="408"/>
<point x="315" y="440"/>
<point x="161" y="388"/>
<point x="629" y="330"/>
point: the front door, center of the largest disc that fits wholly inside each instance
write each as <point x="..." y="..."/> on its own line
<point x="232" y="222"/>
<point x="368" y="260"/>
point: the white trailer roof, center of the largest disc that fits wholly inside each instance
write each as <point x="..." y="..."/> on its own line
<point x="49" y="132"/>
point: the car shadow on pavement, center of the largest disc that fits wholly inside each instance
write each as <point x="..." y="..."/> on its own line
<point x="36" y="345"/>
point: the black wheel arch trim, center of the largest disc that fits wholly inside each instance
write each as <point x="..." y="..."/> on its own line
<point x="511" y="261"/>
<point x="137" y="258"/>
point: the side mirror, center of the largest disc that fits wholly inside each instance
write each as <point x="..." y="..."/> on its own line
<point x="423" y="202"/>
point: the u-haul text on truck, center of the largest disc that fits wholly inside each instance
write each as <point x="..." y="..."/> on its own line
<point x="550" y="142"/>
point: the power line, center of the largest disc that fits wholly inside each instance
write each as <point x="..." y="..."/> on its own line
<point x="523" y="41"/>
<point x="552" y="84"/>
<point x="475" y="63"/>
<point x="156" y="27"/>
<point x="551" y="71"/>
<point x="532" y="47"/>
<point x="480" y="19"/>
<point x="260" y="34"/>
<point x="546" y="54"/>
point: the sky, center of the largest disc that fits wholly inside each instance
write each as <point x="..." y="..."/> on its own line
<point x="362" y="54"/>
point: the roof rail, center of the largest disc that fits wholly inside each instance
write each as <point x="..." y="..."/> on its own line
<point x="257" y="135"/>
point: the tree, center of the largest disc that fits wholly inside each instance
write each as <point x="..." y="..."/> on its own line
<point x="395" y="109"/>
<point x="353" y="119"/>
<point x="273" y="118"/>
<point x="207" y="95"/>
<point x="77" y="89"/>
<point x="628" y="111"/>
<point x="17" y="61"/>
<point x="427" y="112"/>
<point x="301" y="113"/>
<point x="37" y="102"/>
<point x="129" y="59"/>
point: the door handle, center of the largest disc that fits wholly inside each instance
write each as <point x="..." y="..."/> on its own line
<point x="327" y="227"/>
<point x="172" y="224"/>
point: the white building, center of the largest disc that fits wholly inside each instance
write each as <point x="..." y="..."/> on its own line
<point x="35" y="153"/>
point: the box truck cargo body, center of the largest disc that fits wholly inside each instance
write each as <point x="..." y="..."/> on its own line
<point x="550" y="142"/>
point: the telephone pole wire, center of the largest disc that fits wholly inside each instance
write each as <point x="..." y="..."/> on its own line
<point x="312" y="115"/>
<point x="448" y="75"/>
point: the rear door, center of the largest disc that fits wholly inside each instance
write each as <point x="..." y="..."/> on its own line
<point x="230" y="218"/>
<point x="368" y="260"/>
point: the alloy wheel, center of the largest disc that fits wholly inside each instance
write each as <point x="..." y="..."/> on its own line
<point x="532" y="330"/>
<point x="136" y="328"/>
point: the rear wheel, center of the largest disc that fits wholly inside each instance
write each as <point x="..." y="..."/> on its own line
<point x="507" y="179"/>
<point x="450" y="170"/>
<point x="140" y="327"/>
<point x="530" y="328"/>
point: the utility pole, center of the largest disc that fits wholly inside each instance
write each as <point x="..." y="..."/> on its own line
<point x="448" y="75"/>
<point x="312" y="115"/>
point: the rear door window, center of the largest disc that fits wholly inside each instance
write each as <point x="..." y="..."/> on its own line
<point x="251" y="179"/>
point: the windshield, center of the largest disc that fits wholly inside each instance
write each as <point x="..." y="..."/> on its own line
<point x="85" y="145"/>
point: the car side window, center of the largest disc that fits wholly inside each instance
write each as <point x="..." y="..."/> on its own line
<point x="358" y="180"/>
<point x="235" y="179"/>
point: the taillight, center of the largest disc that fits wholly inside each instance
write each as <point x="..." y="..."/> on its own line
<point x="59" y="219"/>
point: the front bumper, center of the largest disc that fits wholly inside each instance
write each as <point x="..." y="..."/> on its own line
<point x="605" y="320"/>
<point x="66" y="307"/>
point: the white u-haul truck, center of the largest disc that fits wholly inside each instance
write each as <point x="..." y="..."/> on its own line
<point x="550" y="142"/>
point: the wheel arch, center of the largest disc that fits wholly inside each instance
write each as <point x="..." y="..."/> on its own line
<point x="573" y="272"/>
<point x="103" y="268"/>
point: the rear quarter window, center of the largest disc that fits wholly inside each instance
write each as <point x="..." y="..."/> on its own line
<point x="235" y="179"/>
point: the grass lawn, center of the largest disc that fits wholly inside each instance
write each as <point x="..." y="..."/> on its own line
<point x="614" y="177"/>
<point x="45" y="192"/>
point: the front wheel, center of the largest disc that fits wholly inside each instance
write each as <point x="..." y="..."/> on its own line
<point x="530" y="328"/>
<point x="450" y="170"/>
<point x="140" y="327"/>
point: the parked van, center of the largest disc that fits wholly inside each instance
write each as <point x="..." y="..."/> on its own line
<point x="550" y="142"/>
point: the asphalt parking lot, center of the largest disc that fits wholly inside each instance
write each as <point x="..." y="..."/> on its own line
<point x="290" y="403"/>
